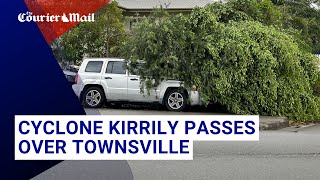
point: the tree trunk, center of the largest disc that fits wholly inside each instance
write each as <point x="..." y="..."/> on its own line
<point x="107" y="49"/>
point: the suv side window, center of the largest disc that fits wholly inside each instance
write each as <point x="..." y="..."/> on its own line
<point x="94" y="66"/>
<point x="115" y="67"/>
<point x="136" y="68"/>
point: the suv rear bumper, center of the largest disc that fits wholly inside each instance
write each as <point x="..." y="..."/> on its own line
<point x="77" y="89"/>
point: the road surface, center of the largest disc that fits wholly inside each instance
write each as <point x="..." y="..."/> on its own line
<point x="287" y="154"/>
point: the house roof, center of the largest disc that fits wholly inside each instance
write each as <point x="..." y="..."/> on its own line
<point x="167" y="4"/>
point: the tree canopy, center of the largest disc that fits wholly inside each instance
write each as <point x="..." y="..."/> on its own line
<point x="300" y="18"/>
<point x="248" y="65"/>
<point x="93" y="39"/>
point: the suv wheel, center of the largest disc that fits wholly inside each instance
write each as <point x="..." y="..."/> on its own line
<point x="93" y="97"/>
<point x="175" y="100"/>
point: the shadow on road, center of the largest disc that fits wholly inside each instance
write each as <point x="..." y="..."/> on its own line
<point x="211" y="108"/>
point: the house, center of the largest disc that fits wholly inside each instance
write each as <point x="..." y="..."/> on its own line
<point x="135" y="9"/>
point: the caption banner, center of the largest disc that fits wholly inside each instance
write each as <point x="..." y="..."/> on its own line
<point x="125" y="137"/>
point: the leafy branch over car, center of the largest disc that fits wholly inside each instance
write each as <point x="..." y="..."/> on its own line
<point x="239" y="63"/>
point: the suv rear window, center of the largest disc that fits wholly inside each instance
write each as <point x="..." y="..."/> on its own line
<point x="94" y="66"/>
<point x="116" y="67"/>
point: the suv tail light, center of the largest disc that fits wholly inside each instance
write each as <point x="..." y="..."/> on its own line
<point x="76" y="80"/>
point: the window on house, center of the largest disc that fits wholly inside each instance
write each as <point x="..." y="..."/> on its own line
<point x="133" y="21"/>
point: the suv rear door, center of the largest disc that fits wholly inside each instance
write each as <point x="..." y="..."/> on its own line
<point x="115" y="78"/>
<point x="91" y="71"/>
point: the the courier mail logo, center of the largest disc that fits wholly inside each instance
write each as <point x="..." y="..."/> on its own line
<point x="65" y="17"/>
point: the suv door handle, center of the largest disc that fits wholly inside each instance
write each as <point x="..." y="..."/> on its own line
<point x="108" y="77"/>
<point x="134" y="79"/>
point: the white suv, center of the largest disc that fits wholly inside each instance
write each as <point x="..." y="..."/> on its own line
<point x="106" y="79"/>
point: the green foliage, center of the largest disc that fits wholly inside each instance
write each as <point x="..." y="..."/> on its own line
<point x="317" y="88"/>
<point x="298" y="17"/>
<point x="301" y="16"/>
<point x="98" y="39"/>
<point x="264" y="11"/>
<point x="317" y="83"/>
<point x="244" y="65"/>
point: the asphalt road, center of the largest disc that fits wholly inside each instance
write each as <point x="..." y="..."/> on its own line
<point x="154" y="109"/>
<point x="287" y="154"/>
<point x="278" y="155"/>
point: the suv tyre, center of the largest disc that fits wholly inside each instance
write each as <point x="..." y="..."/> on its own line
<point x="93" y="97"/>
<point x="175" y="100"/>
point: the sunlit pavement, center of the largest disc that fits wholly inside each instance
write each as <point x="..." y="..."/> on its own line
<point x="290" y="153"/>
